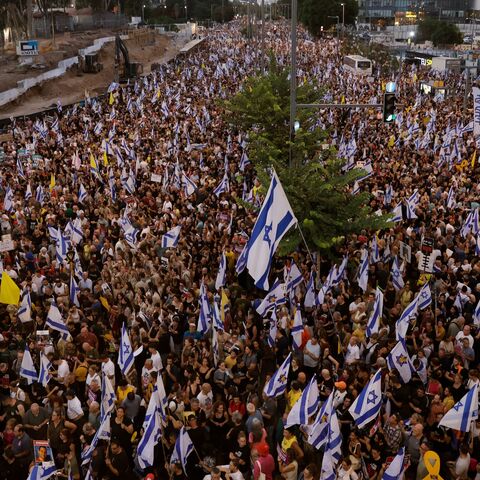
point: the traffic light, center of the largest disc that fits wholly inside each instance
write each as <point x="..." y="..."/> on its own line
<point x="389" y="113"/>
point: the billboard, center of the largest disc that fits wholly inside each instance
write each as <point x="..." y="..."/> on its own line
<point x="27" y="48"/>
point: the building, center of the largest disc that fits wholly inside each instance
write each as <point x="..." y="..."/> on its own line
<point x="409" y="12"/>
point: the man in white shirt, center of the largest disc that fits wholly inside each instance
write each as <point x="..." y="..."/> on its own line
<point x="108" y="369"/>
<point x="62" y="370"/>
<point x="155" y="357"/>
<point x="465" y="333"/>
<point x="205" y="397"/>
<point x="74" y="407"/>
<point x="352" y="354"/>
<point x="311" y="355"/>
<point x="231" y="471"/>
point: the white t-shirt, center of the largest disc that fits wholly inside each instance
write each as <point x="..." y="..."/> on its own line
<point x="63" y="370"/>
<point x="308" y="361"/>
<point x="353" y="353"/>
<point x="205" y="399"/>
<point x="74" y="408"/>
<point x="157" y="361"/>
<point x="460" y="336"/>
<point x="108" y="369"/>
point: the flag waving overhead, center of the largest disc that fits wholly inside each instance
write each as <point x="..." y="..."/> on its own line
<point x="183" y="448"/>
<point x="42" y="472"/>
<point x="222" y="272"/>
<point x="45" y="365"/>
<point x="277" y="385"/>
<point x="276" y="217"/>
<point x="125" y="355"/>
<point x="461" y="415"/>
<point x="362" y="277"/>
<point x="9" y="291"/>
<point x="305" y="406"/>
<point x="397" y="278"/>
<point x="276" y="296"/>
<point x="373" y="324"/>
<point x="399" y="359"/>
<point x="55" y="321"/>
<point x="395" y="469"/>
<point x="170" y="239"/>
<point x="367" y="405"/>
<point x="27" y="369"/>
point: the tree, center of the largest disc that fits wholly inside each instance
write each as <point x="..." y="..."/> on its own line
<point x="316" y="186"/>
<point x="438" y="32"/>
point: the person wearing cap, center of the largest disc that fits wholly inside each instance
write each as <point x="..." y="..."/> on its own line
<point x="340" y="393"/>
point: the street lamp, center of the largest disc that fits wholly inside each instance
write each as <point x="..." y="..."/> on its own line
<point x="343" y="15"/>
<point x="143" y="13"/>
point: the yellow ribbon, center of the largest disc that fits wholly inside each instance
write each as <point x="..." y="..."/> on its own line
<point x="432" y="464"/>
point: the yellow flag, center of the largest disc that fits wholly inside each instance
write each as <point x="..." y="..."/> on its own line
<point x="104" y="302"/>
<point x="391" y="141"/>
<point x="474" y="157"/>
<point x="158" y="93"/>
<point x="343" y="99"/>
<point x="9" y="291"/>
<point x="224" y="301"/>
<point x="93" y="162"/>
<point x="111" y="100"/>
<point x="52" y="181"/>
<point x="105" y="159"/>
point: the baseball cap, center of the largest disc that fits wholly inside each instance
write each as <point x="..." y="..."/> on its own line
<point x="341" y="385"/>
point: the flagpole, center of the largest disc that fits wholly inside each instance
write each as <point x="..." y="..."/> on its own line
<point x="305" y="242"/>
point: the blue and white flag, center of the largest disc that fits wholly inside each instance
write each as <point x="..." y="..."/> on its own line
<point x="45" y="365"/>
<point x="189" y="186"/>
<point x="28" y="192"/>
<point x="272" y="333"/>
<point x="451" y="198"/>
<point x="74" y="291"/>
<point x="463" y="413"/>
<point x="403" y="322"/>
<point x="222" y="272"/>
<point x="318" y="434"/>
<point x="82" y="194"/>
<point x="388" y="195"/>
<point x="373" y="324"/>
<point x="8" y="200"/>
<point x="476" y="315"/>
<point x="375" y="252"/>
<point x="277" y="385"/>
<point x="151" y="434"/>
<point x="223" y="186"/>
<point x="297" y="330"/>
<point x="367" y="405"/>
<point x="183" y="448"/>
<point x="333" y="446"/>
<point x="362" y="277"/>
<point x="305" y="406"/>
<point x="76" y="231"/>
<point x="244" y="161"/>
<point x="103" y="433"/>
<point x="107" y="403"/>
<point x="397" y="278"/>
<point x="276" y="217"/>
<point x="25" y="310"/>
<point x="292" y="276"/>
<point x="125" y="354"/>
<point x="42" y="471"/>
<point x="55" y="321"/>
<point x="310" y="295"/>
<point x="328" y="470"/>
<point x="276" y="296"/>
<point x="395" y="469"/>
<point x="399" y="359"/>
<point x="215" y="347"/>
<point x="424" y="297"/>
<point x="205" y="315"/>
<point x="27" y="369"/>
<point x="170" y="239"/>
<point x="340" y="272"/>
<point x="216" y="317"/>
<point x="397" y="214"/>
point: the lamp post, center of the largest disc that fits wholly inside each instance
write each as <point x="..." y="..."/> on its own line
<point x="143" y="13"/>
<point x="338" y="27"/>
<point x="70" y="256"/>
<point x="343" y="15"/>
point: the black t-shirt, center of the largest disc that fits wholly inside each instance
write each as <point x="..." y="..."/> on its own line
<point x="243" y="453"/>
<point x="373" y="466"/>
<point x="121" y="435"/>
<point x="120" y="462"/>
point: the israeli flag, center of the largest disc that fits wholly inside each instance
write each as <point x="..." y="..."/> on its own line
<point x="340" y="272"/>
<point x="367" y="405"/>
<point x="326" y="287"/>
<point x="45" y="365"/>
<point x="28" y="193"/>
<point x="74" y="291"/>
<point x="375" y="253"/>
<point x="476" y="315"/>
<point x="276" y="217"/>
<point x="424" y="297"/>
<point x="397" y="278"/>
<point x="103" y="433"/>
<point x="125" y="354"/>
<point x="82" y="194"/>
<point x="305" y="406"/>
<point x="170" y="239"/>
<point x="20" y="172"/>
<point x="395" y="469"/>
<point x="223" y="186"/>
<point x="310" y="295"/>
<point x="205" y="312"/>
<point x="244" y="161"/>
<point x="42" y="471"/>
<point x="334" y="440"/>
<point x="397" y="215"/>
<point x="216" y="318"/>
<point x="451" y="203"/>
<point x="27" y="369"/>
<point x="272" y="333"/>
<point x="215" y="347"/>
<point x="276" y="296"/>
<point x="25" y="310"/>
<point x="183" y="448"/>
<point x="292" y="276"/>
<point x="55" y="321"/>
<point x="76" y="231"/>
<point x="277" y="385"/>
<point x="107" y="403"/>
<point x="222" y="272"/>
<point x="399" y="359"/>
<point x="388" y="195"/>
<point x="373" y="324"/>
<point x="8" y="200"/>
<point x="463" y="413"/>
<point x="477" y="246"/>
<point x="328" y="470"/>
<point x="242" y="260"/>
<point x="403" y="322"/>
<point x="297" y="329"/>
<point x="362" y="277"/>
<point x="151" y="435"/>
<point x="189" y="187"/>
<point x="318" y="434"/>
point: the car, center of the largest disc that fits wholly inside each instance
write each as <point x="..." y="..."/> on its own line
<point x="467" y="39"/>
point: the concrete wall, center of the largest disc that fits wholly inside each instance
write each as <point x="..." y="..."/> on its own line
<point x="24" y="85"/>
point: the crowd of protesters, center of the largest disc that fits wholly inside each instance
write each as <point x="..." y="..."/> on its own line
<point x="131" y="151"/>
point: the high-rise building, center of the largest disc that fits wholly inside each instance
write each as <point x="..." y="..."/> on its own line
<point x="404" y="12"/>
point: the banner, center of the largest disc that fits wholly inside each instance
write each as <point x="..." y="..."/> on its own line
<point x="476" y="111"/>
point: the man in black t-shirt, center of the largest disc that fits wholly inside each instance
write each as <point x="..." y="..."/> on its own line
<point x="117" y="462"/>
<point x="373" y="464"/>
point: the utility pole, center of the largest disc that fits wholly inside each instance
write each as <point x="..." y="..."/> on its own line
<point x="223" y="11"/>
<point x="293" y="80"/>
<point x="29" y="19"/>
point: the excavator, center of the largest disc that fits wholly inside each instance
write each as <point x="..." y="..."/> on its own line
<point x="130" y="69"/>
